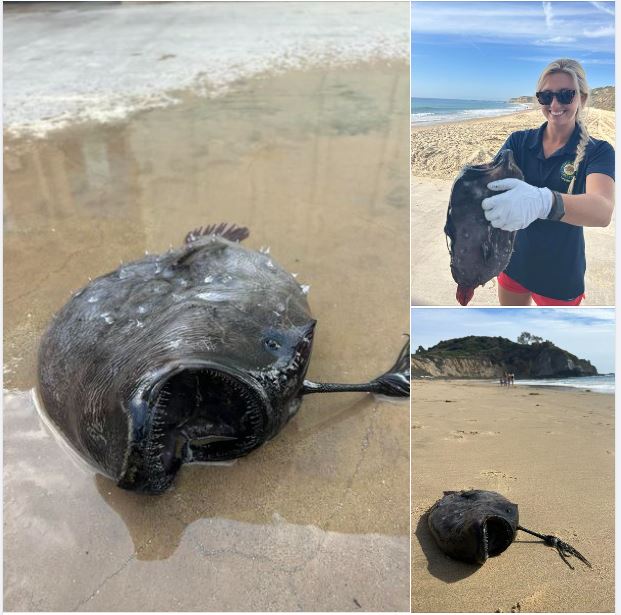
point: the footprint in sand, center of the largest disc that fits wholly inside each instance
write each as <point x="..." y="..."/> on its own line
<point x="497" y="474"/>
<point x="500" y="481"/>
<point x="461" y="434"/>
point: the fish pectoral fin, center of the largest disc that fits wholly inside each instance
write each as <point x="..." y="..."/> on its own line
<point x="232" y="232"/>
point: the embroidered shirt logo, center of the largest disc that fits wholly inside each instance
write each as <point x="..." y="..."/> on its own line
<point x="568" y="170"/>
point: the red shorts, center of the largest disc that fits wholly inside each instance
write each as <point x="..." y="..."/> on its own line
<point x="515" y="287"/>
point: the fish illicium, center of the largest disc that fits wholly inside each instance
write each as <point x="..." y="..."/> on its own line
<point x="199" y="354"/>
<point x="479" y="252"/>
<point x="475" y="525"/>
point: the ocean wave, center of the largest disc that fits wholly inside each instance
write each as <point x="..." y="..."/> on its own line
<point x="461" y="115"/>
<point x="104" y="62"/>
<point x="605" y="385"/>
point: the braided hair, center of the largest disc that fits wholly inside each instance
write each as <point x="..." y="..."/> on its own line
<point x="576" y="72"/>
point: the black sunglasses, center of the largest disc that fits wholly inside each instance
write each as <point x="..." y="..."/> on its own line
<point x="564" y="96"/>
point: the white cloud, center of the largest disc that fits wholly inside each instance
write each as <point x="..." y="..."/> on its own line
<point x="580" y="25"/>
<point x="584" y="61"/>
<point x="555" y="40"/>
<point x="606" y="7"/>
<point x="600" y="32"/>
<point x="547" y="13"/>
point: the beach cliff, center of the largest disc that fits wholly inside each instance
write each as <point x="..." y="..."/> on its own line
<point x="489" y="357"/>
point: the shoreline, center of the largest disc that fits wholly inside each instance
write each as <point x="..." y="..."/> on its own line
<point x="494" y="383"/>
<point x="126" y="107"/>
<point x="472" y="120"/>
<point x="194" y="53"/>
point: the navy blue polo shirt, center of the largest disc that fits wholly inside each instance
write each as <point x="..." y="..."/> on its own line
<point x="548" y="257"/>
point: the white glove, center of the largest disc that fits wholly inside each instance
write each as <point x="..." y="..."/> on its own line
<point x="518" y="206"/>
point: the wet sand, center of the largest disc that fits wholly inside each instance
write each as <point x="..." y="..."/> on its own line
<point x="315" y="164"/>
<point x="438" y="153"/>
<point x="549" y="451"/>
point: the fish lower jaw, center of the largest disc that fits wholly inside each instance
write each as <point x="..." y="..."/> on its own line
<point x="197" y="413"/>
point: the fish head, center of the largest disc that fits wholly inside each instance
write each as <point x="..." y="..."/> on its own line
<point x="493" y="534"/>
<point x="211" y="404"/>
<point x="474" y="525"/>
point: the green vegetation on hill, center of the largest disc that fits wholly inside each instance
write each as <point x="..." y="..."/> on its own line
<point x="538" y="359"/>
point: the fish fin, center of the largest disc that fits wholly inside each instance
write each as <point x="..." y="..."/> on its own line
<point x="564" y="549"/>
<point x="231" y="232"/>
<point x="464" y="294"/>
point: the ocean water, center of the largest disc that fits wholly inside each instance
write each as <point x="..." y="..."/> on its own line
<point x="93" y="61"/>
<point x="440" y="110"/>
<point x="604" y="383"/>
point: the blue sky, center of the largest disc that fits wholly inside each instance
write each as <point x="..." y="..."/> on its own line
<point x="589" y="333"/>
<point x="496" y="50"/>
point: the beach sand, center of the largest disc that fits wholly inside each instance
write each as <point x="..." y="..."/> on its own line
<point x="438" y="153"/>
<point x="549" y="451"/>
<point x="312" y="161"/>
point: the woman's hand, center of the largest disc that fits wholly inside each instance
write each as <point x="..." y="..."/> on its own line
<point x="520" y="205"/>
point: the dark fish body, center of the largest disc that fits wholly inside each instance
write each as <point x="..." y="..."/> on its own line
<point x="198" y="354"/>
<point x="475" y="525"/>
<point x="472" y="526"/>
<point x="479" y="252"/>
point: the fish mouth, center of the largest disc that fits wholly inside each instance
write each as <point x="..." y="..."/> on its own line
<point x="496" y="535"/>
<point x="198" y="412"/>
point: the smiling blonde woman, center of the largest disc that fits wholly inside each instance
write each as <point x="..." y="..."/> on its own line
<point x="568" y="184"/>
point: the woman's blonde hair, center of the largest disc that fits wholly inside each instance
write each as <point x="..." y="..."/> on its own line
<point x="576" y="72"/>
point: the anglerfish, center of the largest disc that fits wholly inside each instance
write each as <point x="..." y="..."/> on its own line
<point x="475" y="525"/>
<point x="479" y="252"/>
<point x="196" y="355"/>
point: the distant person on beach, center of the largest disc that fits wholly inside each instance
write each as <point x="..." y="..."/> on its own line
<point x="568" y="184"/>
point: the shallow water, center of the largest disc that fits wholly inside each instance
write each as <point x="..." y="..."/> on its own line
<point x="315" y="163"/>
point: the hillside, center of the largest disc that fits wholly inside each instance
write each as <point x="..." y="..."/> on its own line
<point x="601" y="98"/>
<point x="488" y="357"/>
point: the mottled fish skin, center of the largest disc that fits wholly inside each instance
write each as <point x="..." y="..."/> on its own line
<point x="479" y="252"/>
<point x="472" y="526"/>
<point x="211" y="314"/>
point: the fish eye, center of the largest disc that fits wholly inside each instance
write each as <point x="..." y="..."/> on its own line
<point x="271" y="343"/>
